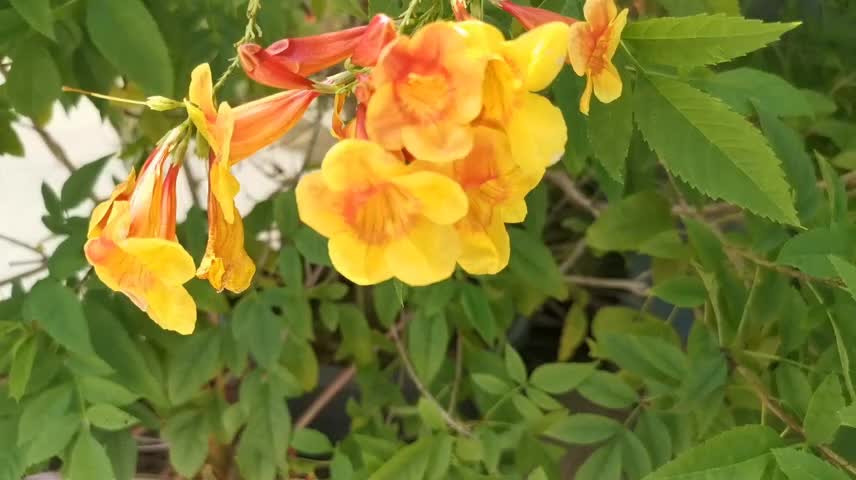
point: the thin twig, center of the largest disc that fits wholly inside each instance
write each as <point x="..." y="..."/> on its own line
<point x="791" y="423"/>
<point x="783" y="269"/>
<point x="411" y="372"/>
<point x="632" y="286"/>
<point x="459" y="370"/>
<point x="576" y="253"/>
<point x="569" y="188"/>
<point x="22" y="275"/>
<point x="55" y="148"/>
<point x="24" y="245"/>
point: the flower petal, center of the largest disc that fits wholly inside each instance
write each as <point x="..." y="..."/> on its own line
<point x="439" y="142"/>
<point x="358" y="164"/>
<point x="261" y="122"/>
<point x="539" y="54"/>
<point x="201" y="91"/>
<point x="580" y="47"/>
<point x="599" y="13"/>
<point x="427" y="254"/>
<point x="319" y="207"/>
<point x="485" y="249"/>
<point x="607" y="84"/>
<point x="537" y="134"/>
<point x="358" y="261"/>
<point x="615" y="29"/>
<point x="224" y="187"/>
<point x="170" y="307"/>
<point x="585" y="98"/>
<point x="168" y="261"/>
<point x="384" y="118"/>
<point x="441" y="199"/>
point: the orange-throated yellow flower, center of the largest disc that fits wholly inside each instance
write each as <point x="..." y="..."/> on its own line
<point x="133" y="247"/>
<point x="286" y="63"/>
<point x="383" y="218"/>
<point x="253" y="125"/>
<point x="592" y="44"/>
<point x="496" y="189"/>
<point x="517" y="68"/>
<point x="427" y="90"/>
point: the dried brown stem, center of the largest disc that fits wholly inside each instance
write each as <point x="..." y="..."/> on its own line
<point x="569" y="188"/>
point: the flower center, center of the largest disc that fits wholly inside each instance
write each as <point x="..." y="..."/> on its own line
<point x="424" y="96"/>
<point x="380" y="213"/>
<point x="599" y="48"/>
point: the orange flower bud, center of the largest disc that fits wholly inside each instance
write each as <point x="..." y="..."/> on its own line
<point x="531" y="17"/>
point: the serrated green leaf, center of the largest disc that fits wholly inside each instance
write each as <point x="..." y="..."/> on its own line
<point x="427" y="339"/>
<point x="561" y="377"/>
<point x="800" y="465"/>
<point x="127" y="35"/>
<point x="681" y="291"/>
<point x="699" y="40"/>
<point x="610" y="129"/>
<point x="583" y="429"/>
<point x="89" y="460"/>
<point x="109" y="417"/>
<point x="608" y="390"/>
<point x="743" y="88"/>
<point x="694" y="7"/>
<point x="34" y="82"/>
<point x="809" y="251"/>
<point x="81" y="182"/>
<point x="38" y="14"/>
<point x="742" y="452"/>
<point x="712" y="148"/>
<point x="821" y="418"/>
<point x="799" y="169"/>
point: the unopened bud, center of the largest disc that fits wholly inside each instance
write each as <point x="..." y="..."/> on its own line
<point x="162" y="104"/>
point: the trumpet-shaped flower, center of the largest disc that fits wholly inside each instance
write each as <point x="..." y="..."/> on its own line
<point x="518" y="68"/>
<point x="133" y="248"/>
<point x="383" y="218"/>
<point x="286" y="63"/>
<point x="592" y="44"/>
<point x="496" y="188"/>
<point x="427" y="90"/>
<point x="249" y="127"/>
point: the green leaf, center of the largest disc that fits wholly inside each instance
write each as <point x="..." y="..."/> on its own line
<point x="192" y="363"/>
<point x="610" y="128"/>
<point x="81" y="182"/>
<point x="583" y="429"/>
<point x="603" y="464"/>
<point x="49" y="404"/>
<point x="648" y="357"/>
<point x="187" y="434"/>
<point x="799" y="169"/>
<point x="387" y="302"/>
<point x="608" y="390"/>
<point x="127" y="35"/>
<point x="743" y="88"/>
<point x="821" y="418"/>
<point x="430" y="414"/>
<point x="268" y="428"/>
<point x="847" y="272"/>
<point x="68" y="257"/>
<point x="207" y="299"/>
<point x="356" y="335"/>
<point x="101" y="390"/>
<point x="22" y="367"/>
<point x="53" y="436"/>
<point x="654" y="434"/>
<point x="533" y="262"/>
<point x="800" y="465"/>
<point x="712" y="148"/>
<point x="285" y="213"/>
<point x="567" y="89"/>
<point x="680" y="8"/>
<point x="558" y="378"/>
<point x="340" y="467"/>
<point x="311" y="441"/>
<point x="635" y="458"/>
<point x="34" y="82"/>
<point x="793" y="388"/>
<point x="526" y="407"/>
<point x="122" y="450"/>
<point x="682" y="291"/>
<point x="291" y="267"/>
<point x="478" y="312"/>
<point x="52" y="204"/>
<point x="427" y="339"/>
<point x="38" y="14"/>
<point x="514" y="365"/>
<point x="312" y="246"/>
<point x="58" y="310"/>
<point x="89" y="460"/>
<point x="641" y="222"/>
<point x="409" y="463"/>
<point x="256" y="326"/>
<point x="108" y="417"/>
<point x="742" y="452"/>
<point x="809" y="251"/>
<point x="699" y="40"/>
<point x="10" y="144"/>
<point x="490" y="383"/>
<point x="574" y="331"/>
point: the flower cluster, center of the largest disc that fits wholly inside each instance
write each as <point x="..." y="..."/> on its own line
<point x="447" y="137"/>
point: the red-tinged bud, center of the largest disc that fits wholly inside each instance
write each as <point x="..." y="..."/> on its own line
<point x="379" y="33"/>
<point x="268" y="70"/>
<point x="531" y="17"/>
<point x="459" y="8"/>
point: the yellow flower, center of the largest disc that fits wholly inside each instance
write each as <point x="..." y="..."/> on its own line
<point x="536" y="129"/>
<point x="428" y="89"/>
<point x="383" y="218"/>
<point x="593" y="44"/>
<point x="496" y="189"/>
<point x="132" y="243"/>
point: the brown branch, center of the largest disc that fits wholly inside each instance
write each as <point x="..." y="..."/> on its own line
<point x="22" y="275"/>
<point x="569" y="188"/>
<point x="632" y="286"/>
<point x="55" y="148"/>
<point x="24" y="245"/>
<point x="787" y="271"/>
<point x="791" y="423"/>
